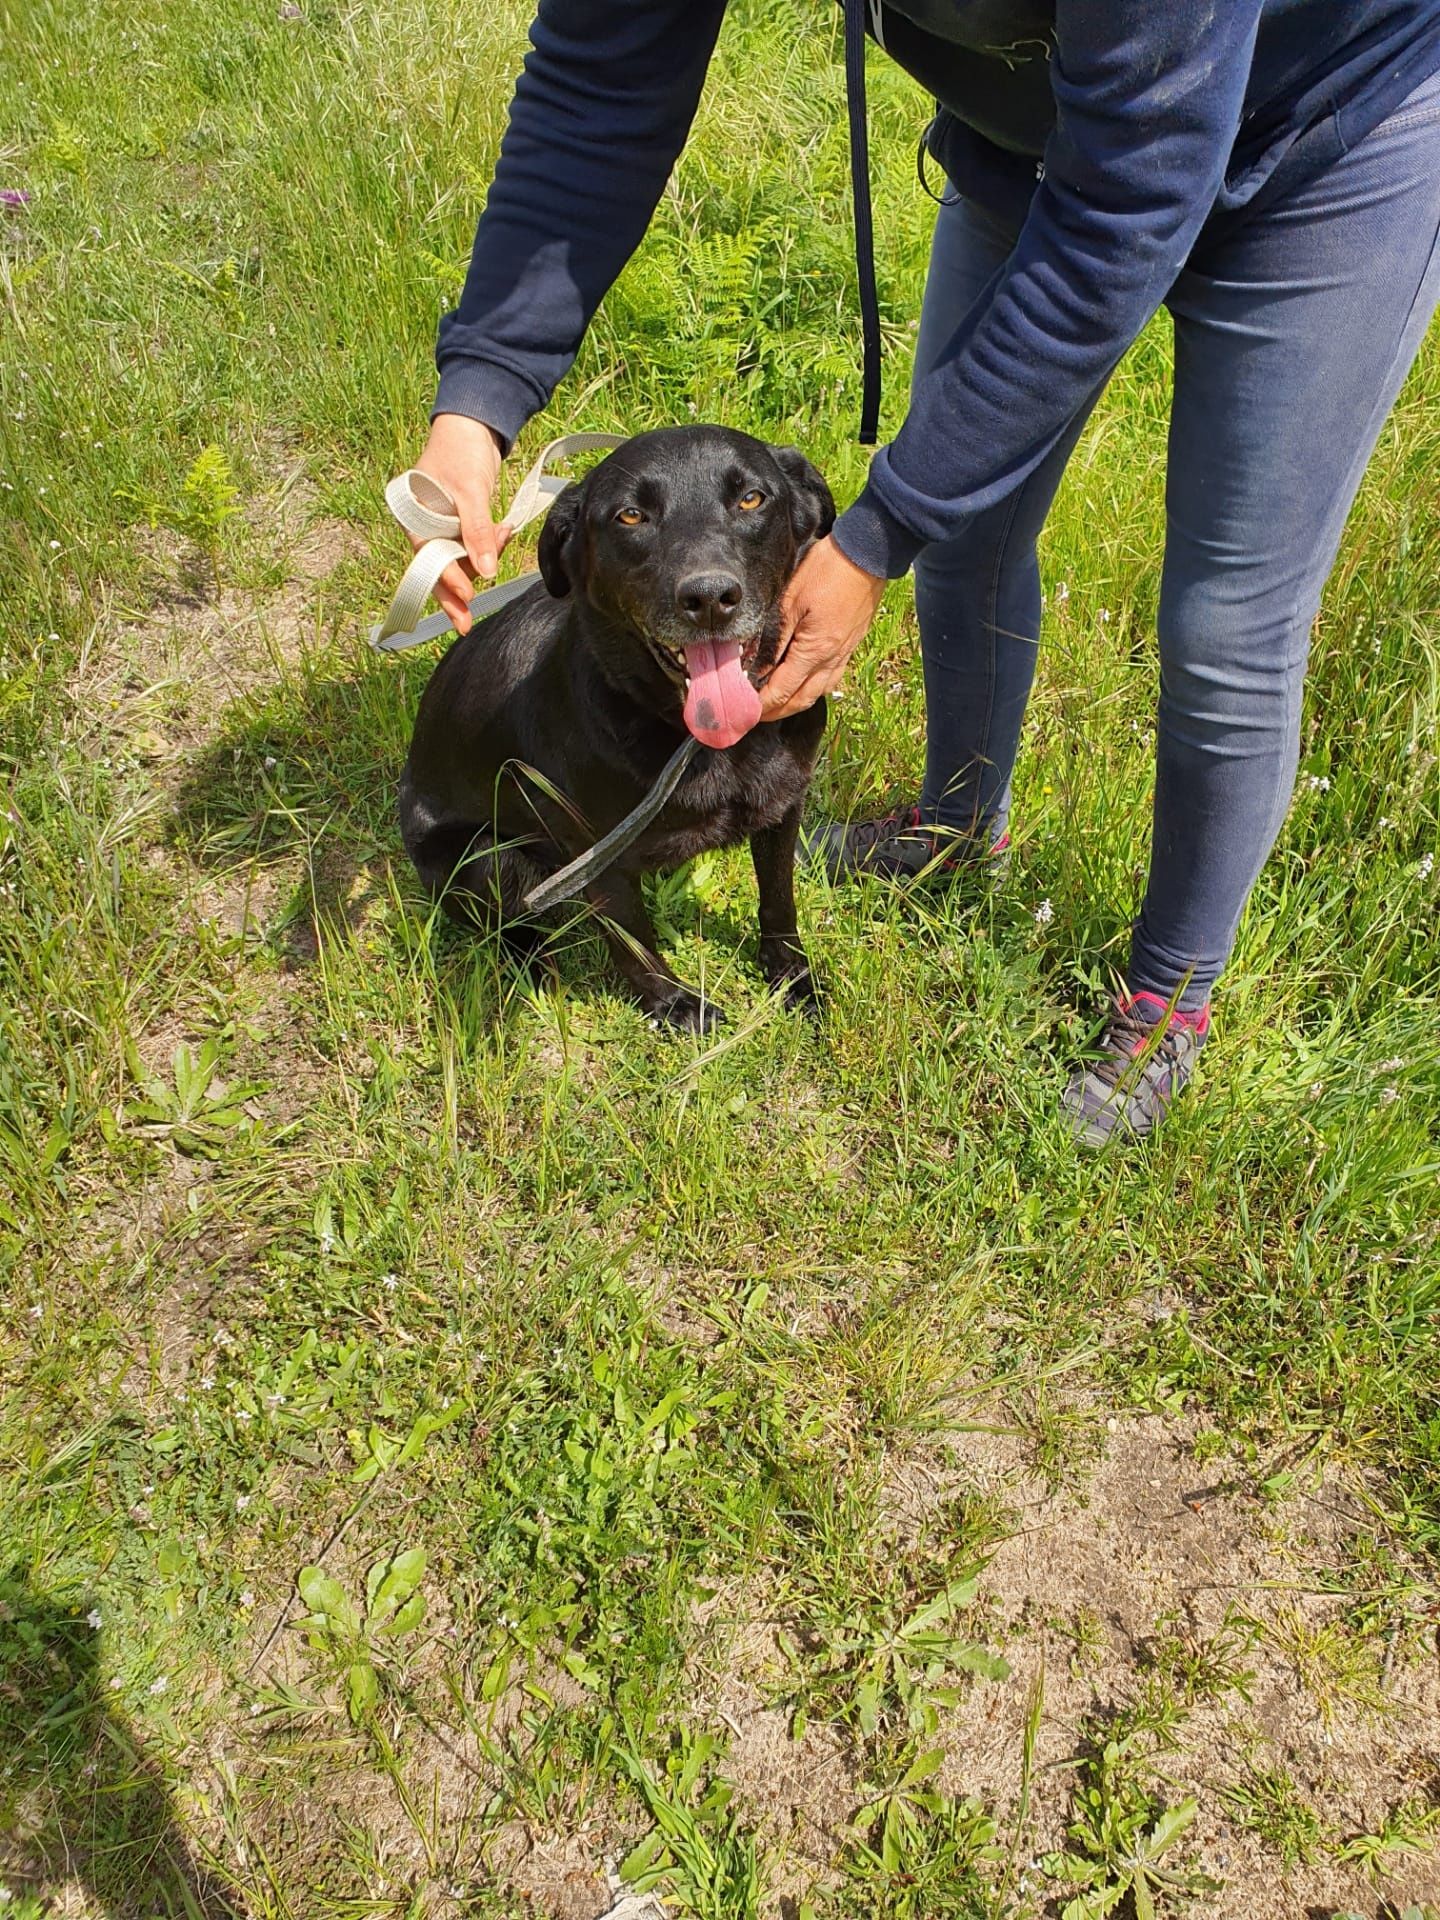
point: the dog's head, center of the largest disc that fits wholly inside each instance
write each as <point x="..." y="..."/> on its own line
<point x="682" y="541"/>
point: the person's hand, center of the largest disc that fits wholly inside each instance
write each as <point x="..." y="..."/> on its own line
<point x="464" y="456"/>
<point x="825" y="613"/>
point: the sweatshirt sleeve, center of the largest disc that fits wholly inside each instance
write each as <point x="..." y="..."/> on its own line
<point x="600" y="114"/>
<point x="1148" y="97"/>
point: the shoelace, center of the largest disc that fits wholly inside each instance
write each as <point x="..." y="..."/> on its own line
<point x="1127" y="1038"/>
<point x="869" y="833"/>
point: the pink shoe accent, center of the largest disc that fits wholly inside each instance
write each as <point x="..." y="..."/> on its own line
<point x="956" y="861"/>
<point x="1197" y="1022"/>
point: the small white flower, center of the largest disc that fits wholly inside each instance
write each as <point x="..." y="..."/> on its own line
<point x="247" y="1599"/>
<point x="1383" y="823"/>
<point x="1044" y="914"/>
<point x="243" y="1417"/>
<point x="207" y="1381"/>
<point x="257" y="1707"/>
<point x="1317" y="1087"/>
<point x="37" y="1313"/>
<point x="242" y="1500"/>
<point x="1318" y="782"/>
<point x="1425" y="866"/>
<point x="52" y="636"/>
<point x="93" y="1620"/>
<point x="1389" y="1095"/>
<point x="389" y="1281"/>
<point x="1104" y="615"/>
<point x="274" y="1400"/>
<point x="1062" y="594"/>
<point x="55" y="546"/>
<point x="1397" y="1065"/>
<point x="270" y="763"/>
<point x="116" y="1683"/>
<point x="159" y="1686"/>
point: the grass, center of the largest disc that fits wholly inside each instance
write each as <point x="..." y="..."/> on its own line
<point x="335" y="1255"/>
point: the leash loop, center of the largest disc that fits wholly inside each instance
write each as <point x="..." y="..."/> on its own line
<point x="425" y="509"/>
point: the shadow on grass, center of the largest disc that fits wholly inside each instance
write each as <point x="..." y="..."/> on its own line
<point x="79" y="1798"/>
<point x="303" y="771"/>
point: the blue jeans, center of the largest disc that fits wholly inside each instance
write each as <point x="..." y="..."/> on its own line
<point x="1295" y="325"/>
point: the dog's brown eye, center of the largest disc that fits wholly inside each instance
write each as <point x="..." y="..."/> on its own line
<point x="748" y="502"/>
<point x="629" y="516"/>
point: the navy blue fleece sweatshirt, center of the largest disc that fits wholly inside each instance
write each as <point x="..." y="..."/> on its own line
<point x="1120" y="126"/>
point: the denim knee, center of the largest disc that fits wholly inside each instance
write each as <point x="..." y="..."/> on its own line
<point x="1230" y="669"/>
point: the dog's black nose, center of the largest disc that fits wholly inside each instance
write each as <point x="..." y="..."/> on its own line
<point x="707" y="600"/>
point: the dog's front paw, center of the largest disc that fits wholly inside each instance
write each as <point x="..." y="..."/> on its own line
<point x="802" y="993"/>
<point x="685" y="1012"/>
<point x="786" y="968"/>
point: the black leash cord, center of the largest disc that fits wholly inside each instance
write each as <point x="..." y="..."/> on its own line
<point x="864" y="222"/>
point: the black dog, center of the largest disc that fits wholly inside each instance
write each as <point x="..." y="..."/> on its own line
<point x="542" y="728"/>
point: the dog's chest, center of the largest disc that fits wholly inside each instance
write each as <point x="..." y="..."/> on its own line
<point x="729" y="797"/>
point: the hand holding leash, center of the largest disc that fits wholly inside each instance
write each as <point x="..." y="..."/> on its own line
<point x="463" y="457"/>
<point x="429" y="513"/>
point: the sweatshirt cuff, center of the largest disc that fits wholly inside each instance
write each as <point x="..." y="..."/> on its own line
<point x="870" y="535"/>
<point x="482" y="391"/>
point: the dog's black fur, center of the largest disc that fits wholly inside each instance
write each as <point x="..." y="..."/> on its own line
<point x="580" y="680"/>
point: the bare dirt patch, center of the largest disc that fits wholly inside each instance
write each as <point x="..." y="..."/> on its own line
<point x="559" y="1876"/>
<point x="1156" y="1558"/>
<point x="157" y="683"/>
<point x="1149" y="1571"/>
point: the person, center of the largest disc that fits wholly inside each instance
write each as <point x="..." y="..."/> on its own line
<point x="1269" y="170"/>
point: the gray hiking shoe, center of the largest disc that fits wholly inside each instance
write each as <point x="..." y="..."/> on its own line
<point x="896" y="846"/>
<point x="1145" y="1061"/>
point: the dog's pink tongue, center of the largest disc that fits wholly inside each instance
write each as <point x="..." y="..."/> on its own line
<point x="721" y="704"/>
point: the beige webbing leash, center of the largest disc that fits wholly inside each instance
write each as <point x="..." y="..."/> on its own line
<point x="425" y="509"/>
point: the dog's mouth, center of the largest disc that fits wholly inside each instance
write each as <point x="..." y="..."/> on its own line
<point x="722" y="703"/>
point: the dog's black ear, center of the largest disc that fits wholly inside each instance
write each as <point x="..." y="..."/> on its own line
<point x="812" y="508"/>
<point x="558" y="553"/>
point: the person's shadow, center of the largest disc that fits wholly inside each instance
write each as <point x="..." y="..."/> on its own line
<point x="79" y="1799"/>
